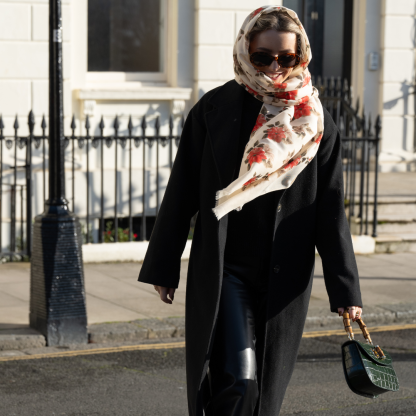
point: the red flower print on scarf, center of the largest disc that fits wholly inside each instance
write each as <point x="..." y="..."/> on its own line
<point x="304" y="64"/>
<point x="256" y="12"/>
<point x="276" y="134"/>
<point x="292" y="164"/>
<point x="250" y="181"/>
<point x="280" y="86"/>
<point x="256" y="156"/>
<point x="302" y="110"/>
<point x="318" y="139"/>
<point x="306" y="81"/>
<point x="288" y="95"/>
<point x="261" y="119"/>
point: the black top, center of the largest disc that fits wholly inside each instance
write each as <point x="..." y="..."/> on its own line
<point x="250" y="231"/>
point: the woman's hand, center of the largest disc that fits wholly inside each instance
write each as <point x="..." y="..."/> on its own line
<point x="354" y="311"/>
<point x="164" y="292"/>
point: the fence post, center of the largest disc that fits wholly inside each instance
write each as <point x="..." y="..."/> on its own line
<point x="377" y="141"/>
<point x="31" y="123"/>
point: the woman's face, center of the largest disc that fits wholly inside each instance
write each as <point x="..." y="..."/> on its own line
<point x="273" y="42"/>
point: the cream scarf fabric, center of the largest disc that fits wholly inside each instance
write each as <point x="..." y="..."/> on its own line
<point x="288" y="130"/>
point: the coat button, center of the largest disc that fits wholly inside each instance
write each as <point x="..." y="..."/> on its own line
<point x="279" y="207"/>
<point x="276" y="268"/>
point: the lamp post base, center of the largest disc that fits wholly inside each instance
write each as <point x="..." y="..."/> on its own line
<point x="57" y="295"/>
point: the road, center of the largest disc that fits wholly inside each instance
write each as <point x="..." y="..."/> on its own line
<point x="152" y="382"/>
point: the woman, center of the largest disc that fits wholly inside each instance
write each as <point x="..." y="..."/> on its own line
<point x="259" y="160"/>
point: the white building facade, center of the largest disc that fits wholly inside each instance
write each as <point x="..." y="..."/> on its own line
<point x="156" y="58"/>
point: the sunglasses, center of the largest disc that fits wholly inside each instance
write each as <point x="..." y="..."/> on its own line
<point x="285" y="60"/>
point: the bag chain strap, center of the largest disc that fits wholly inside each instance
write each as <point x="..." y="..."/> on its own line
<point x="348" y="329"/>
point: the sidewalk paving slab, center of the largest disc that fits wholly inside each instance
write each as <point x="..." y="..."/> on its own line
<point x="123" y="311"/>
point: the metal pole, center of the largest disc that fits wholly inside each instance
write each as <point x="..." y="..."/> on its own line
<point x="31" y="123"/>
<point x="377" y="140"/>
<point x="57" y="295"/>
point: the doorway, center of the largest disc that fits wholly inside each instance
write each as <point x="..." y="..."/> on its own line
<point x="328" y="24"/>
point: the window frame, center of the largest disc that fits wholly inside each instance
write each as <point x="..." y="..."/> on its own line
<point x="169" y="39"/>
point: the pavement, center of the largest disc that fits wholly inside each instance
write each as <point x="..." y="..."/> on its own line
<point x="152" y="382"/>
<point x="123" y="311"/>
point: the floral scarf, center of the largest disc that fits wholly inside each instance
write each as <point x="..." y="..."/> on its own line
<point x="288" y="129"/>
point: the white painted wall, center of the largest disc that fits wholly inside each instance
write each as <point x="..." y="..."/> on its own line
<point x="24" y="62"/>
<point x="397" y="84"/>
<point x="217" y="23"/>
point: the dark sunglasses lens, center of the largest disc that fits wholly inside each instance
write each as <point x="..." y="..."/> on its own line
<point x="261" y="59"/>
<point x="287" y="61"/>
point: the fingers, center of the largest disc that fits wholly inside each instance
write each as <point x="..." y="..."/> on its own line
<point x="164" y="292"/>
<point x="358" y="312"/>
<point x="171" y="293"/>
<point x="354" y="312"/>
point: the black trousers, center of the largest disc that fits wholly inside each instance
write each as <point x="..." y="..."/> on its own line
<point x="234" y="367"/>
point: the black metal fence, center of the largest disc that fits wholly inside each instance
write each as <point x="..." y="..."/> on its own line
<point x="112" y="228"/>
<point x="22" y="158"/>
<point x="360" y="152"/>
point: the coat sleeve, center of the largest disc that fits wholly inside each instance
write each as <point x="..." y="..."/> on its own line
<point x="161" y="265"/>
<point x="333" y="237"/>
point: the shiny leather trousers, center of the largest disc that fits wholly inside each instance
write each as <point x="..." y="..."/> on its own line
<point x="235" y="367"/>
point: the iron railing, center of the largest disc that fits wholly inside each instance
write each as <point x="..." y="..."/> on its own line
<point x="122" y="146"/>
<point x="98" y="165"/>
<point x="360" y="152"/>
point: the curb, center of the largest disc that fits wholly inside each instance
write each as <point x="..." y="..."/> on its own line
<point x="154" y="329"/>
<point x="132" y="251"/>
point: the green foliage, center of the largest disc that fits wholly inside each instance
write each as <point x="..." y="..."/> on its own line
<point x="122" y="234"/>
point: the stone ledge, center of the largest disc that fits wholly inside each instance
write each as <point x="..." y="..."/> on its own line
<point x="134" y="93"/>
<point x="133" y="251"/>
<point x="19" y="342"/>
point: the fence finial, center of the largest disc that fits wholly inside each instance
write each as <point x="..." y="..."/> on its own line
<point x="73" y="124"/>
<point x="31" y="122"/>
<point x="130" y="125"/>
<point x="157" y="125"/>
<point x="378" y="125"/>
<point x="101" y="125"/>
<point x="43" y="124"/>
<point x="363" y="121"/>
<point x="87" y="123"/>
<point x="170" y="125"/>
<point x="370" y="125"/>
<point x="144" y="124"/>
<point x="16" y="123"/>
<point x="1" y="123"/>
<point x="116" y="124"/>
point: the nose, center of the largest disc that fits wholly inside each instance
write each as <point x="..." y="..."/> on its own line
<point x="274" y="66"/>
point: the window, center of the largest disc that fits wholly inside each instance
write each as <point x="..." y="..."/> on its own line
<point x="127" y="36"/>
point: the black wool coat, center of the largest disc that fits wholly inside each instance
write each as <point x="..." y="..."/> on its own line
<point x="311" y="214"/>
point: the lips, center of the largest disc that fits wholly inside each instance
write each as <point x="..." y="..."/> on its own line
<point x="274" y="77"/>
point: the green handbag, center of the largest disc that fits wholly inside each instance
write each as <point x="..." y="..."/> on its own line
<point x="368" y="370"/>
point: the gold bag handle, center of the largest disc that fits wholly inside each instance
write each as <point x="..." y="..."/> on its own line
<point x="348" y="329"/>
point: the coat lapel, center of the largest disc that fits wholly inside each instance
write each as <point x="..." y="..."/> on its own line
<point x="224" y="124"/>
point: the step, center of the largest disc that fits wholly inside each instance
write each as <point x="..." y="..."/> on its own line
<point x="396" y="243"/>
<point x="396" y="227"/>
<point x="390" y="209"/>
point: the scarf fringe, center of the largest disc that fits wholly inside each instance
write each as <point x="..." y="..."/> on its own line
<point x="218" y="218"/>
